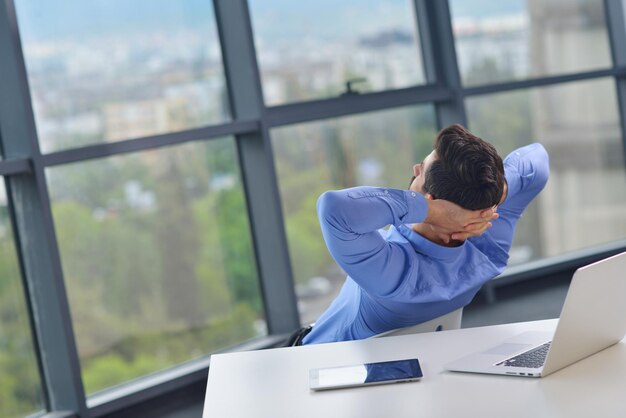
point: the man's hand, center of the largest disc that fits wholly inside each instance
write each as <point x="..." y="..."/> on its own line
<point x="452" y="222"/>
<point x="451" y="217"/>
<point x="472" y="230"/>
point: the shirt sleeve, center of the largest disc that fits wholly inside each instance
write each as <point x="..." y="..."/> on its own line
<point x="527" y="170"/>
<point x="350" y="220"/>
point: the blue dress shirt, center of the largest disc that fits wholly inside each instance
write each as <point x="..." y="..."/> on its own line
<point x="397" y="278"/>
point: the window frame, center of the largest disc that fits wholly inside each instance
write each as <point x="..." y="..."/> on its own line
<point x="23" y="167"/>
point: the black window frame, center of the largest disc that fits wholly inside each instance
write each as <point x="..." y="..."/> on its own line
<point x="23" y="169"/>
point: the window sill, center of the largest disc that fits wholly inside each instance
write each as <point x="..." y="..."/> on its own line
<point x="160" y="383"/>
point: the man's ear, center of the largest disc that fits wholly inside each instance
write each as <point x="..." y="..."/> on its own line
<point x="505" y="191"/>
<point x="429" y="196"/>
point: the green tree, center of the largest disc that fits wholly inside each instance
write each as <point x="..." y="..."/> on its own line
<point x="177" y="242"/>
<point x="20" y="390"/>
<point x="233" y="229"/>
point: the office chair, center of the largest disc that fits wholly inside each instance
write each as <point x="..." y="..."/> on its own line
<point x="445" y="322"/>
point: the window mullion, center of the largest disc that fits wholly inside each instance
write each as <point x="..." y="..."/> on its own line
<point x="257" y="167"/>
<point x="616" y="25"/>
<point x="35" y="234"/>
<point x="445" y="61"/>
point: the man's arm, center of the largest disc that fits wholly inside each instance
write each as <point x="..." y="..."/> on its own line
<point x="350" y="220"/>
<point x="527" y="170"/>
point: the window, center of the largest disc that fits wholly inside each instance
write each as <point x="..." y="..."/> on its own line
<point x="20" y="388"/>
<point x="584" y="202"/>
<point x="376" y="149"/>
<point x="157" y="258"/>
<point x="517" y="39"/>
<point x="102" y="71"/>
<point x="308" y="50"/>
<point x="156" y="244"/>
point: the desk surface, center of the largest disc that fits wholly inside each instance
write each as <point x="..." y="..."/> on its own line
<point x="274" y="383"/>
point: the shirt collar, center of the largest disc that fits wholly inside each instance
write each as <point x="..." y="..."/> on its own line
<point x="428" y="247"/>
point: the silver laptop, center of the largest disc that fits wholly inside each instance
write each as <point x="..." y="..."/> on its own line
<point x="593" y="318"/>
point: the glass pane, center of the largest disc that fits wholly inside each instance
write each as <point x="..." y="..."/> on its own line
<point x="20" y="387"/>
<point x="157" y="258"/>
<point x="308" y="50"/>
<point x="584" y="202"/>
<point x="108" y="70"/>
<point x="375" y="149"/>
<point x="515" y="39"/>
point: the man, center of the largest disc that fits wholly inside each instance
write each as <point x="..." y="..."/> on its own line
<point x="435" y="256"/>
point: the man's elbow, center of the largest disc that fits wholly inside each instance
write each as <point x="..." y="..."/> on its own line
<point x="541" y="166"/>
<point x="329" y="204"/>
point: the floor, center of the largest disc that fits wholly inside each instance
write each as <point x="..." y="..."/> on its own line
<point x="525" y="301"/>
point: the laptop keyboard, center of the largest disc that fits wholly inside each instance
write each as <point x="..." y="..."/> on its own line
<point x="532" y="359"/>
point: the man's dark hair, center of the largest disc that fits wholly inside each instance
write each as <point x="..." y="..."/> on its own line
<point x="467" y="170"/>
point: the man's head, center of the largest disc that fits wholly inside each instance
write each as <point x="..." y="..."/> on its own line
<point x="463" y="169"/>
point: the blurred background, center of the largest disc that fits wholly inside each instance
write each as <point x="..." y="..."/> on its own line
<point x="166" y="158"/>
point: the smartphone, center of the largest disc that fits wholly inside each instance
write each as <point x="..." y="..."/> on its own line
<point x="396" y="371"/>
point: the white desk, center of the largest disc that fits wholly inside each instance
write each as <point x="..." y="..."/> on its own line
<point x="274" y="383"/>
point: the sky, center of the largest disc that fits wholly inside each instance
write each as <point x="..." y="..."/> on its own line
<point x="58" y="19"/>
<point x="61" y="19"/>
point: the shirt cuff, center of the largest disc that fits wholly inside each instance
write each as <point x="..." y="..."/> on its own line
<point x="417" y="208"/>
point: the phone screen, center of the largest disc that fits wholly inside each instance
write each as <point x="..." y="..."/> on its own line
<point x="365" y="374"/>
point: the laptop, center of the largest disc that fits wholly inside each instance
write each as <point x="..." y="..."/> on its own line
<point x="593" y="318"/>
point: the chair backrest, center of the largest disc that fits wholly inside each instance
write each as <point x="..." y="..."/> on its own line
<point x="445" y="322"/>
